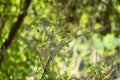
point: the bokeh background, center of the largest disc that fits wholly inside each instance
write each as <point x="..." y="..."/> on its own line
<point x="59" y="39"/>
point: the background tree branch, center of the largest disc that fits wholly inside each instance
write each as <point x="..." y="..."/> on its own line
<point x="15" y="29"/>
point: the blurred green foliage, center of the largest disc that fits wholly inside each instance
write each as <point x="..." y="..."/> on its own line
<point x="61" y="40"/>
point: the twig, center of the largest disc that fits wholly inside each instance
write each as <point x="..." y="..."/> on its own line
<point x="89" y="76"/>
<point x="52" y="54"/>
<point x="109" y="72"/>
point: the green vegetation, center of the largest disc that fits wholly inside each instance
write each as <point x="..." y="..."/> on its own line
<point x="59" y="39"/>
